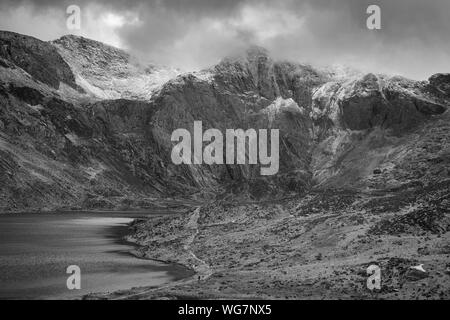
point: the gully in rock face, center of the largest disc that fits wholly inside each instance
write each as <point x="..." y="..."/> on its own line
<point x="213" y="152"/>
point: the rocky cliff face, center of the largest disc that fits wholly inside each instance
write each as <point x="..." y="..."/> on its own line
<point x="83" y="125"/>
<point x="245" y="92"/>
<point x="37" y="58"/>
<point x="62" y="146"/>
<point x="363" y="122"/>
<point x="106" y="72"/>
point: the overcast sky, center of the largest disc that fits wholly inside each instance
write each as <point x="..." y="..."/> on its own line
<point x="191" y="34"/>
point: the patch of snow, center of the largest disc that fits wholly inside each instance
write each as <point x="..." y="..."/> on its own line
<point x="418" y="268"/>
<point x="93" y="90"/>
<point x="204" y="75"/>
<point x="282" y="105"/>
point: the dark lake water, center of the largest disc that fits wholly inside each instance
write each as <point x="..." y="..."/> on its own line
<point x="36" y="249"/>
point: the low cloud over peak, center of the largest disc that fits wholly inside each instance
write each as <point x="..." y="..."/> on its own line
<point x="193" y="34"/>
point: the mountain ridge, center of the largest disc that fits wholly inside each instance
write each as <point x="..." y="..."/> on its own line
<point x="125" y="136"/>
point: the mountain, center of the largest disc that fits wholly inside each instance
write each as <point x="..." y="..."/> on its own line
<point x="84" y="125"/>
<point x="363" y="176"/>
<point x="63" y="146"/>
<point x="106" y="72"/>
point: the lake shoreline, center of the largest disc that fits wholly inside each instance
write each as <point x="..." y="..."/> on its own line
<point x="98" y="243"/>
<point x="125" y="237"/>
<point x="173" y="258"/>
<point x="180" y="272"/>
<point x="189" y="274"/>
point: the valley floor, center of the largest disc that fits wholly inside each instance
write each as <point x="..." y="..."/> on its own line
<point x="318" y="246"/>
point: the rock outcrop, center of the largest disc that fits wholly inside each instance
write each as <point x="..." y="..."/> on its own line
<point x="40" y="59"/>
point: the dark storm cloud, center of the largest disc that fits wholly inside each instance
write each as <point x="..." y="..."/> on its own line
<point x="181" y="6"/>
<point x="414" y="39"/>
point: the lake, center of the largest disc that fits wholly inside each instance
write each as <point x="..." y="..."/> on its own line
<point x="36" y="249"/>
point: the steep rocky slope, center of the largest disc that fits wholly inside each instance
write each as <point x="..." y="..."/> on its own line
<point x="245" y="92"/>
<point x="55" y="154"/>
<point x="109" y="73"/>
<point x="336" y="128"/>
<point x="37" y="58"/>
<point x="333" y="131"/>
<point x="63" y="148"/>
<point x="361" y="124"/>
